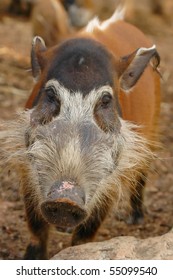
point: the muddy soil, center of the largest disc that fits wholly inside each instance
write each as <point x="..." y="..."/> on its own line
<point x="15" y="85"/>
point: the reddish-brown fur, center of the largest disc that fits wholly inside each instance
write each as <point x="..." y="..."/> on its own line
<point x="50" y="21"/>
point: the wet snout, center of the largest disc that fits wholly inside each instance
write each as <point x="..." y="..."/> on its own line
<point x="64" y="205"/>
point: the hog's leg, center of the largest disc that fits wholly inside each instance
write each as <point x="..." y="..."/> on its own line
<point x="137" y="202"/>
<point x="37" y="248"/>
<point x="85" y="232"/>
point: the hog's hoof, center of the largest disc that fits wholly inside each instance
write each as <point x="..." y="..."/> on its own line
<point x="136" y="218"/>
<point x="35" y="252"/>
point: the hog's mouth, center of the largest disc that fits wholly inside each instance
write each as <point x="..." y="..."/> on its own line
<point x="63" y="212"/>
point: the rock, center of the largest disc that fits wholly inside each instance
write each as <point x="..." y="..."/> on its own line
<point x="124" y="248"/>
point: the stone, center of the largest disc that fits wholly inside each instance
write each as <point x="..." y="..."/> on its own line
<point x="122" y="248"/>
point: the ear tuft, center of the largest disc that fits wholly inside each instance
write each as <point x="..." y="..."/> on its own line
<point x="38" y="47"/>
<point x="39" y="43"/>
<point x="142" y="51"/>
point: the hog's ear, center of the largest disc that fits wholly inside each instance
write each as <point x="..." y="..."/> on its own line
<point x="132" y="66"/>
<point x="37" y="61"/>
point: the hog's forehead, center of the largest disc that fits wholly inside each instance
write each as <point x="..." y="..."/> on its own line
<point x="81" y="65"/>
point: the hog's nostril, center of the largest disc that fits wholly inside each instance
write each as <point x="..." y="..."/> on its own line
<point x="53" y="210"/>
<point x="76" y="216"/>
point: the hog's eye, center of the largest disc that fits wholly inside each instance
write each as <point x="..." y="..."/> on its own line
<point x="106" y="100"/>
<point x="69" y="2"/>
<point x="50" y="95"/>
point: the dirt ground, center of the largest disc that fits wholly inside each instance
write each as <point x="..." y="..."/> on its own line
<point x="15" y="85"/>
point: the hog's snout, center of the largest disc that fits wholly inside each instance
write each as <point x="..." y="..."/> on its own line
<point x="64" y="205"/>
